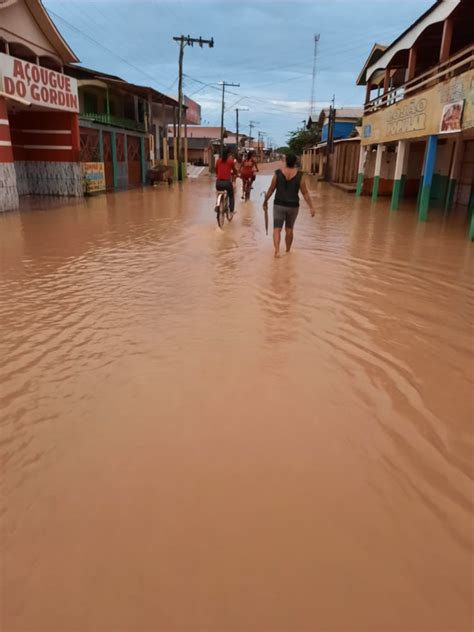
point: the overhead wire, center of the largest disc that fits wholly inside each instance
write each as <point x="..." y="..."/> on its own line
<point x="274" y="109"/>
<point x="110" y="51"/>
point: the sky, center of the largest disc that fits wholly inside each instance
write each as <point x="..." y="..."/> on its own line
<point x="266" y="46"/>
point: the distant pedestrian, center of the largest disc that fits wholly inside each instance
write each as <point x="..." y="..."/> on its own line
<point x="287" y="182"/>
<point x="226" y="172"/>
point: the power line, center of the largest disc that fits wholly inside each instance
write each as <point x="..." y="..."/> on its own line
<point x="111" y="52"/>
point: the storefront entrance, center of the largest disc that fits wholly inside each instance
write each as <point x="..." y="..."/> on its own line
<point x="133" y="161"/>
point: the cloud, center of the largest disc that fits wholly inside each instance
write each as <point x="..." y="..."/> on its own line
<point x="265" y="45"/>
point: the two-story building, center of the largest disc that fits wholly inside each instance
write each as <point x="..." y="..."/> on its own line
<point x="418" y="125"/>
<point x="345" y="121"/>
<point x="39" y="107"/>
<point x="118" y="132"/>
<point x="65" y="128"/>
<point x="336" y="164"/>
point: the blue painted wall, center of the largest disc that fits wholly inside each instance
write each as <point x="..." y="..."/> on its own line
<point x="341" y="130"/>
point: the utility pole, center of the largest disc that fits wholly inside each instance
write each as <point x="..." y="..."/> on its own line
<point x="313" y="83"/>
<point x="332" y="122"/>
<point x="330" y="141"/>
<point x="237" y="110"/>
<point x="224" y="86"/>
<point x="185" y="41"/>
<point x="252" y="124"/>
<point x="260" y="144"/>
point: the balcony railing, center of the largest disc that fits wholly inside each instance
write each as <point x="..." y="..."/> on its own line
<point x="116" y="121"/>
<point x="455" y="65"/>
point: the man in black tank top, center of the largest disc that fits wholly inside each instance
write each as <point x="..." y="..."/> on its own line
<point x="287" y="182"/>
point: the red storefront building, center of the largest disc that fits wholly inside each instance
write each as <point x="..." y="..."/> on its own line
<point x="39" y="105"/>
<point x="66" y="129"/>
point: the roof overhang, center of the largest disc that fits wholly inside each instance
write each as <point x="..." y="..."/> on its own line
<point x="374" y="55"/>
<point x="438" y="12"/>
<point x="91" y="82"/>
<point x="51" y="32"/>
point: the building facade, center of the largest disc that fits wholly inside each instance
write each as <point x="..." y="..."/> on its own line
<point x="119" y="135"/>
<point x="66" y="129"/>
<point x="346" y="120"/>
<point x="39" y="107"/>
<point x="418" y="125"/>
<point x="336" y="162"/>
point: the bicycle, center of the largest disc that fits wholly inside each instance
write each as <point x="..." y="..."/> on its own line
<point x="246" y="188"/>
<point x="222" y="209"/>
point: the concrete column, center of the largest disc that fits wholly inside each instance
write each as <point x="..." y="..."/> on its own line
<point x="453" y="172"/>
<point x="428" y="169"/>
<point x="471" y="210"/>
<point x="8" y="190"/>
<point x="75" y="137"/>
<point x="165" y="149"/>
<point x="143" y="159"/>
<point x="158" y="141"/>
<point x="125" y="153"/>
<point x="101" y="145"/>
<point x="175" y="149"/>
<point x="404" y="171"/>
<point x="397" y="182"/>
<point x="113" y="143"/>
<point x="135" y="107"/>
<point x="361" y="169"/>
<point x="378" y="168"/>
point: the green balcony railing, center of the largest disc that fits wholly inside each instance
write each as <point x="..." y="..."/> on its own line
<point x="110" y="119"/>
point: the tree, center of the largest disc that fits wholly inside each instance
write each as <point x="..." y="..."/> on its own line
<point x="302" y="138"/>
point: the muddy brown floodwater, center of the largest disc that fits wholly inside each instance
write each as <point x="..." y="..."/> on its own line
<point x="198" y="437"/>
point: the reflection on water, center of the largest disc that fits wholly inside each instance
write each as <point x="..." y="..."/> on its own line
<point x="196" y="436"/>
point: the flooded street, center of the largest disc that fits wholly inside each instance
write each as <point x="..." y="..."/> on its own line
<point x="196" y="436"/>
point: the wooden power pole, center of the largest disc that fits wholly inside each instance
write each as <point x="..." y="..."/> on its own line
<point x="224" y="86"/>
<point x="252" y="124"/>
<point x="237" y="110"/>
<point x="185" y="41"/>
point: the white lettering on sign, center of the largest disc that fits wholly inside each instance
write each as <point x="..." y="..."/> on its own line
<point x="40" y="86"/>
<point x="408" y="117"/>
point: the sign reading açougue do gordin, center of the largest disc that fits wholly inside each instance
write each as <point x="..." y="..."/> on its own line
<point x="38" y="85"/>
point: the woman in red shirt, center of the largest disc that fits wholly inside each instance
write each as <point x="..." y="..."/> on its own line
<point x="248" y="169"/>
<point x="225" y="170"/>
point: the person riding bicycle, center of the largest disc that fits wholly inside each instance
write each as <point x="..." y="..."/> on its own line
<point x="225" y="173"/>
<point x="248" y="169"/>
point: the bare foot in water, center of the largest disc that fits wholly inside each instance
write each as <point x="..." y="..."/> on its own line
<point x="277" y="254"/>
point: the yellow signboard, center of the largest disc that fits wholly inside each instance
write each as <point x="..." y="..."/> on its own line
<point x="93" y="174"/>
<point x="422" y="114"/>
